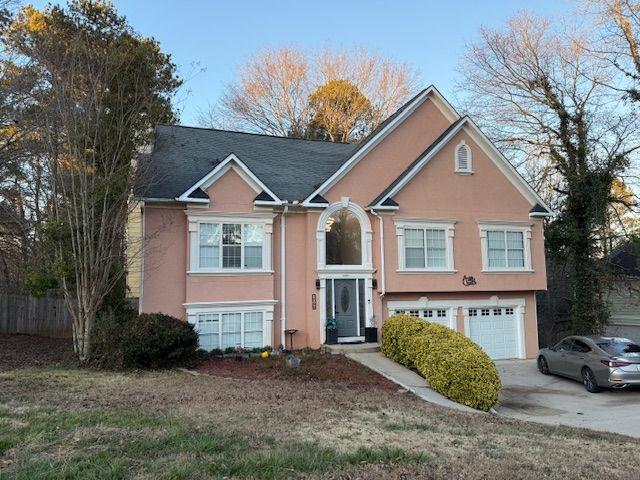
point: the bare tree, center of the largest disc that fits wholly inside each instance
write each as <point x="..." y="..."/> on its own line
<point x="272" y="91"/>
<point x="103" y="88"/>
<point x="269" y="95"/>
<point x="544" y="94"/>
<point x="385" y="83"/>
<point x="618" y="42"/>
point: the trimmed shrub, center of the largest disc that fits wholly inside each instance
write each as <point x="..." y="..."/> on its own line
<point x="452" y="364"/>
<point x="397" y="345"/>
<point x="150" y="340"/>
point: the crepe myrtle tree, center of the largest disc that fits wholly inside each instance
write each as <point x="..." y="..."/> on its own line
<point x="102" y="89"/>
<point x="542" y="96"/>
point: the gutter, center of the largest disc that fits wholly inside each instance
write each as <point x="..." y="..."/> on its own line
<point x="382" y="262"/>
<point x="283" y="276"/>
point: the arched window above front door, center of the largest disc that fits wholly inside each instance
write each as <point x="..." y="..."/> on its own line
<point x="343" y="238"/>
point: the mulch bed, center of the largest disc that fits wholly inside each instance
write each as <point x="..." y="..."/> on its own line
<point x="314" y="367"/>
<point x="25" y="351"/>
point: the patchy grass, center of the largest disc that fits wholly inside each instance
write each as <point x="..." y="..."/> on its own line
<point x="109" y="443"/>
<point x="66" y="422"/>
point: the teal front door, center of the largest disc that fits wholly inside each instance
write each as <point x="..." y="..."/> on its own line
<point x="346" y="307"/>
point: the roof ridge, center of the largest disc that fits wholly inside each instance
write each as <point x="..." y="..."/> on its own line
<point x="251" y="133"/>
<point x="364" y="139"/>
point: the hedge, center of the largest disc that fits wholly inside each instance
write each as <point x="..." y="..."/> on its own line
<point x="452" y="364"/>
<point x="149" y="340"/>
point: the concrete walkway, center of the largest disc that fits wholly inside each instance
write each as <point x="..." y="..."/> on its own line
<point x="406" y="378"/>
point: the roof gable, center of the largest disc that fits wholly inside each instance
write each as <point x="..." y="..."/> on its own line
<point x="231" y="162"/>
<point x="381" y="132"/>
<point x="505" y="167"/>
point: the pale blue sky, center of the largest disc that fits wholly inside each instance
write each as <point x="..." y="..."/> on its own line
<point x="218" y="36"/>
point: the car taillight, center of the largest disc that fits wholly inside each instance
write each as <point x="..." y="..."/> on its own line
<point x="611" y="363"/>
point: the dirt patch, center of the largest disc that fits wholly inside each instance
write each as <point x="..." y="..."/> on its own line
<point x="26" y="351"/>
<point x="314" y="367"/>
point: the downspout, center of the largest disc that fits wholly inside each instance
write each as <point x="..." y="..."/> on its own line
<point x="382" y="262"/>
<point x="143" y="218"/>
<point x="283" y="277"/>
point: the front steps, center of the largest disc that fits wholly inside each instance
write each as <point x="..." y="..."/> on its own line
<point x="345" y="348"/>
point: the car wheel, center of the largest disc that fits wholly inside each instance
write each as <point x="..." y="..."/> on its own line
<point x="543" y="366"/>
<point x="589" y="381"/>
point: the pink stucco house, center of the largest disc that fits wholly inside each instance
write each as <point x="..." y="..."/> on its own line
<point x="248" y="235"/>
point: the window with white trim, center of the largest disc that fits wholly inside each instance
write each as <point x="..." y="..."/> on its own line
<point x="463" y="158"/>
<point x="230" y="330"/>
<point x="440" y="315"/>
<point x="505" y="248"/>
<point x="230" y="246"/>
<point x="425" y="247"/>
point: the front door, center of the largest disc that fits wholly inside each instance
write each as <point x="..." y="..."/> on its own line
<point x="346" y="308"/>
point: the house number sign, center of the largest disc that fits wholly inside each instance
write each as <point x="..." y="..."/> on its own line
<point x="313" y="301"/>
<point x="467" y="281"/>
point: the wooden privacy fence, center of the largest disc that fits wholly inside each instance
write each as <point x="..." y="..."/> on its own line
<point x="47" y="316"/>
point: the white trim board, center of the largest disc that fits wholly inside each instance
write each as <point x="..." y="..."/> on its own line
<point x="439" y="101"/>
<point x="231" y="161"/>
<point x="489" y="149"/>
<point x="232" y="304"/>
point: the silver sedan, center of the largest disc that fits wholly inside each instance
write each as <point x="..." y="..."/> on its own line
<point x="598" y="362"/>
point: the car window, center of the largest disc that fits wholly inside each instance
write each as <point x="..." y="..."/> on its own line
<point x="621" y="349"/>
<point x="566" y="345"/>
<point x="580" y="346"/>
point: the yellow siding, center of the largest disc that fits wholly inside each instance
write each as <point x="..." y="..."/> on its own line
<point x="134" y="248"/>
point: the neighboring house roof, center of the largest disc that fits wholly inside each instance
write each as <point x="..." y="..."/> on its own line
<point x="182" y="156"/>
<point x="624" y="259"/>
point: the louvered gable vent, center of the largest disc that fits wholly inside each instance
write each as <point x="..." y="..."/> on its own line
<point x="463" y="158"/>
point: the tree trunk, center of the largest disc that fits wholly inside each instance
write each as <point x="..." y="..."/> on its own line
<point x="83" y="321"/>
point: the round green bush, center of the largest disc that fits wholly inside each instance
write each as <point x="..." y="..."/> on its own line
<point x="150" y="340"/>
<point x="452" y="364"/>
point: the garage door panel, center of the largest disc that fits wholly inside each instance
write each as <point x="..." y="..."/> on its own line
<point x="495" y="331"/>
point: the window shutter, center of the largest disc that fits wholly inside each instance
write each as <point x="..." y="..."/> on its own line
<point x="463" y="158"/>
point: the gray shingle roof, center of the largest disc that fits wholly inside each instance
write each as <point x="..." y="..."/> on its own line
<point x="291" y="168"/>
<point x="624" y="260"/>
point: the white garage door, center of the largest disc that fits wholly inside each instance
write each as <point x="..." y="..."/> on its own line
<point x="434" y="315"/>
<point x="495" y="330"/>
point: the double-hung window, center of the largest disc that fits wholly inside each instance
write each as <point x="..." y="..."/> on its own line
<point x="425" y="247"/>
<point x="231" y="246"/>
<point x="505" y="248"/>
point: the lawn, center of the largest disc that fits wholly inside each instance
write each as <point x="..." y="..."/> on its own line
<point x="330" y="418"/>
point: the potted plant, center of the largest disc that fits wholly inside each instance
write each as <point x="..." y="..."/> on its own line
<point x="371" y="334"/>
<point x="331" y="327"/>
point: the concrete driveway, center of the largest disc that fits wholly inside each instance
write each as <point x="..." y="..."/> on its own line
<point x="529" y="395"/>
